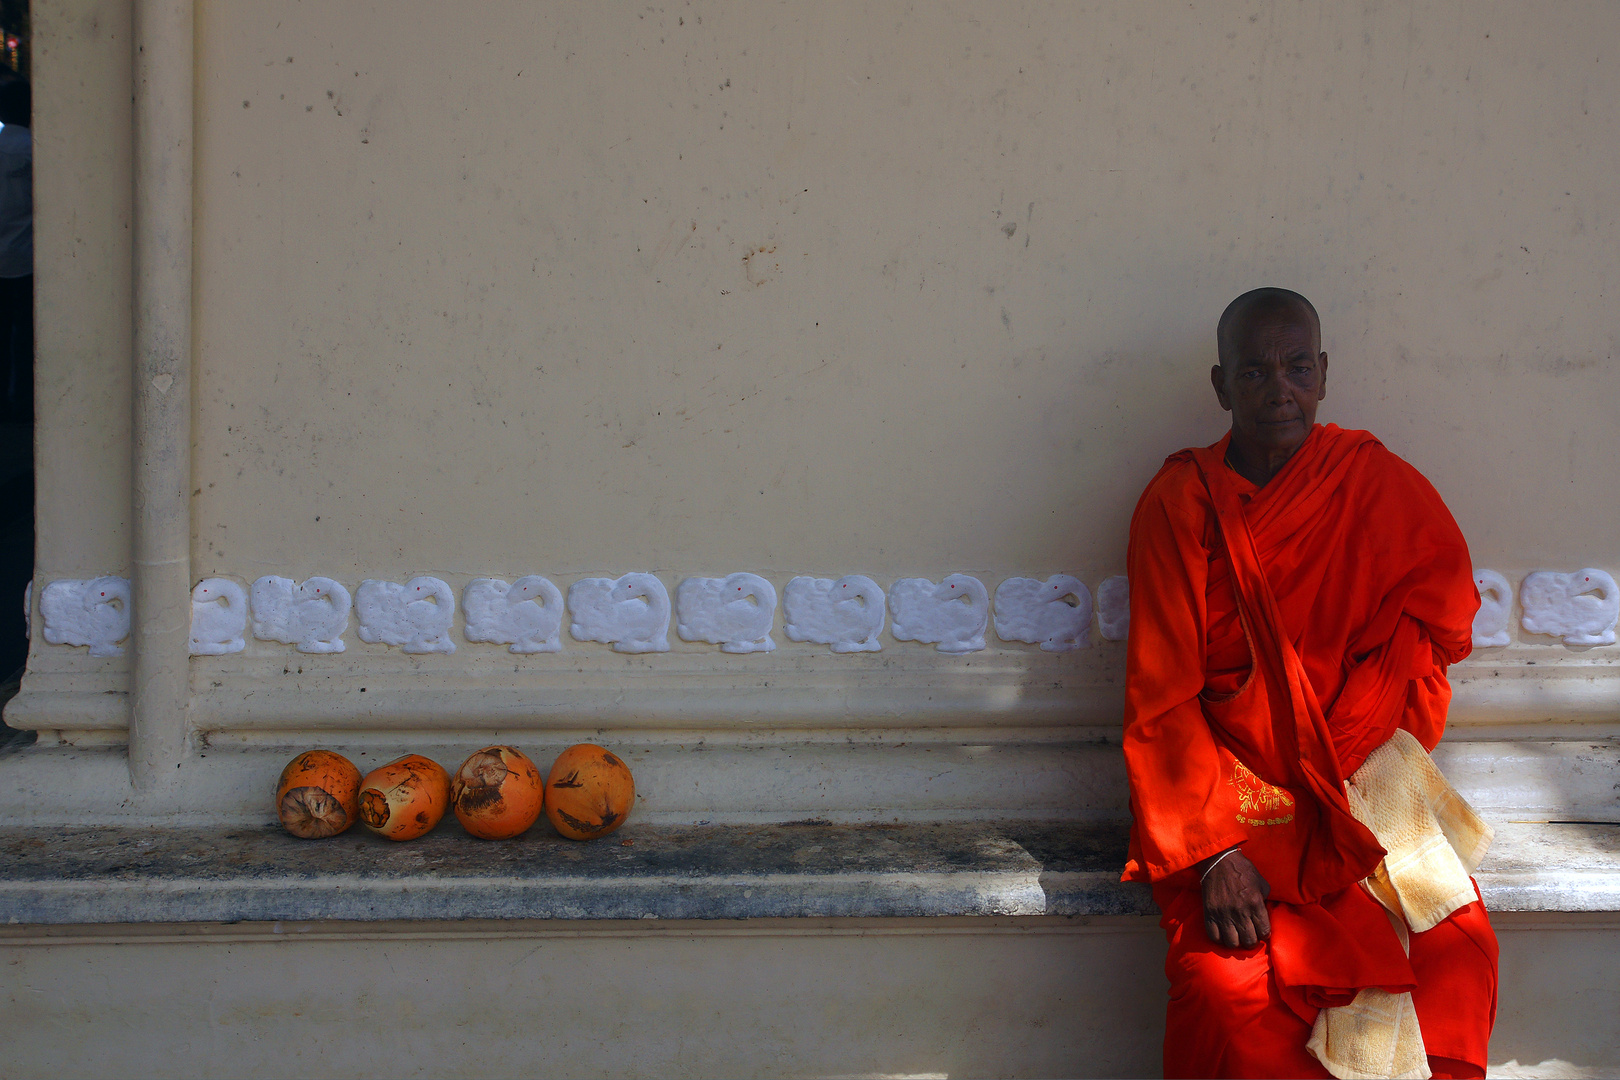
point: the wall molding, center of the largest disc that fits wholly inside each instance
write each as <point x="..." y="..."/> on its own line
<point x="801" y="687"/>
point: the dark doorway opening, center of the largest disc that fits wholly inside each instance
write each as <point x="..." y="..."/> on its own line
<point x="16" y="354"/>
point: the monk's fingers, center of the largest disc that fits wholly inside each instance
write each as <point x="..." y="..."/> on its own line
<point x="1241" y="926"/>
<point x="1225" y="928"/>
<point x="1254" y="919"/>
<point x="1235" y="910"/>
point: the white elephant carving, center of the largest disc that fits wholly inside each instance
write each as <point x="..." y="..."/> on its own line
<point x="630" y="613"/>
<point x="1054" y="614"/>
<point x="735" y="612"/>
<point x="847" y="614"/>
<point x="1495" y="610"/>
<point x="1114" y="608"/>
<point x="94" y="613"/>
<point x="415" y="616"/>
<point x="219" y="617"/>
<point x="1580" y="607"/>
<point x="952" y="614"/>
<point x="312" y="616"/>
<point x="526" y="615"/>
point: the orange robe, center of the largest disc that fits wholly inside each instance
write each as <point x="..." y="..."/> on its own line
<point x="1278" y="636"/>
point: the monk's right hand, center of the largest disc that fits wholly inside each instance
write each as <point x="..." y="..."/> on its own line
<point x="1235" y="901"/>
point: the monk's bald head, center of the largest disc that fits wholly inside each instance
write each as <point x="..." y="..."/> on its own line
<point x="1271" y="376"/>
<point x="1263" y="305"/>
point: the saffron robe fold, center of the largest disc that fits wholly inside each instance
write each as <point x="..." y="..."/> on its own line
<point x="1278" y="636"/>
<point x="1228" y="1017"/>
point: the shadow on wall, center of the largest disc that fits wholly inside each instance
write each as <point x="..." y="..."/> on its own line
<point x="1084" y="416"/>
<point x="1174" y="372"/>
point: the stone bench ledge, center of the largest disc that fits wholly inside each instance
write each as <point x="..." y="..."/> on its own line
<point x="139" y="874"/>
<point x="1552" y="867"/>
<point x="133" y="874"/>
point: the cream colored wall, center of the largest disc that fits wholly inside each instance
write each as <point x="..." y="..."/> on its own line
<point x="82" y="210"/>
<point x="801" y="997"/>
<point x="494" y="289"/>
<point x="818" y="288"/>
<point x="829" y="289"/>
<point x="82" y="196"/>
<point x="882" y="288"/>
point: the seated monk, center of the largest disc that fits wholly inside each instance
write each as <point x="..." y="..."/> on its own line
<point x="1297" y="592"/>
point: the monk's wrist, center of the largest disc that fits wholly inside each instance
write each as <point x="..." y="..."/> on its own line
<point x="1206" y="865"/>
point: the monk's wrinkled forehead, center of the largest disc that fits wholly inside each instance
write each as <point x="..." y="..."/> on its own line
<point x="1264" y="307"/>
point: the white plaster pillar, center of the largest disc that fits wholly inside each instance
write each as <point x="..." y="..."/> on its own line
<point x="162" y="390"/>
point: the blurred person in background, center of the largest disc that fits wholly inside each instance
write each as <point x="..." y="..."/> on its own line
<point x="16" y="252"/>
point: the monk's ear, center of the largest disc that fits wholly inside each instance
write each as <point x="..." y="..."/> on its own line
<point x="1217" y="379"/>
<point x="1321" y="386"/>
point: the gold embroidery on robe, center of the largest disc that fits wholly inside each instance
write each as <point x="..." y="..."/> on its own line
<point x="1260" y="803"/>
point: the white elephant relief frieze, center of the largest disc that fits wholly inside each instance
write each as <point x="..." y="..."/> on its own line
<point x="1581" y="607"/>
<point x="312" y="616"/>
<point x="1054" y="614"/>
<point x="1491" y="622"/>
<point x="219" y="617"/>
<point x="952" y="615"/>
<point x="735" y="612"/>
<point x="631" y="613"/>
<point x="93" y="612"/>
<point x="847" y="615"/>
<point x="525" y="615"/>
<point x="415" y="616"/>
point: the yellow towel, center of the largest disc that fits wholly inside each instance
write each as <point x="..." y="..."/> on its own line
<point x="1376" y="1036"/>
<point x="1433" y="840"/>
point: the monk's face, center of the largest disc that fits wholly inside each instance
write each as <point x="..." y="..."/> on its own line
<point x="1271" y="376"/>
